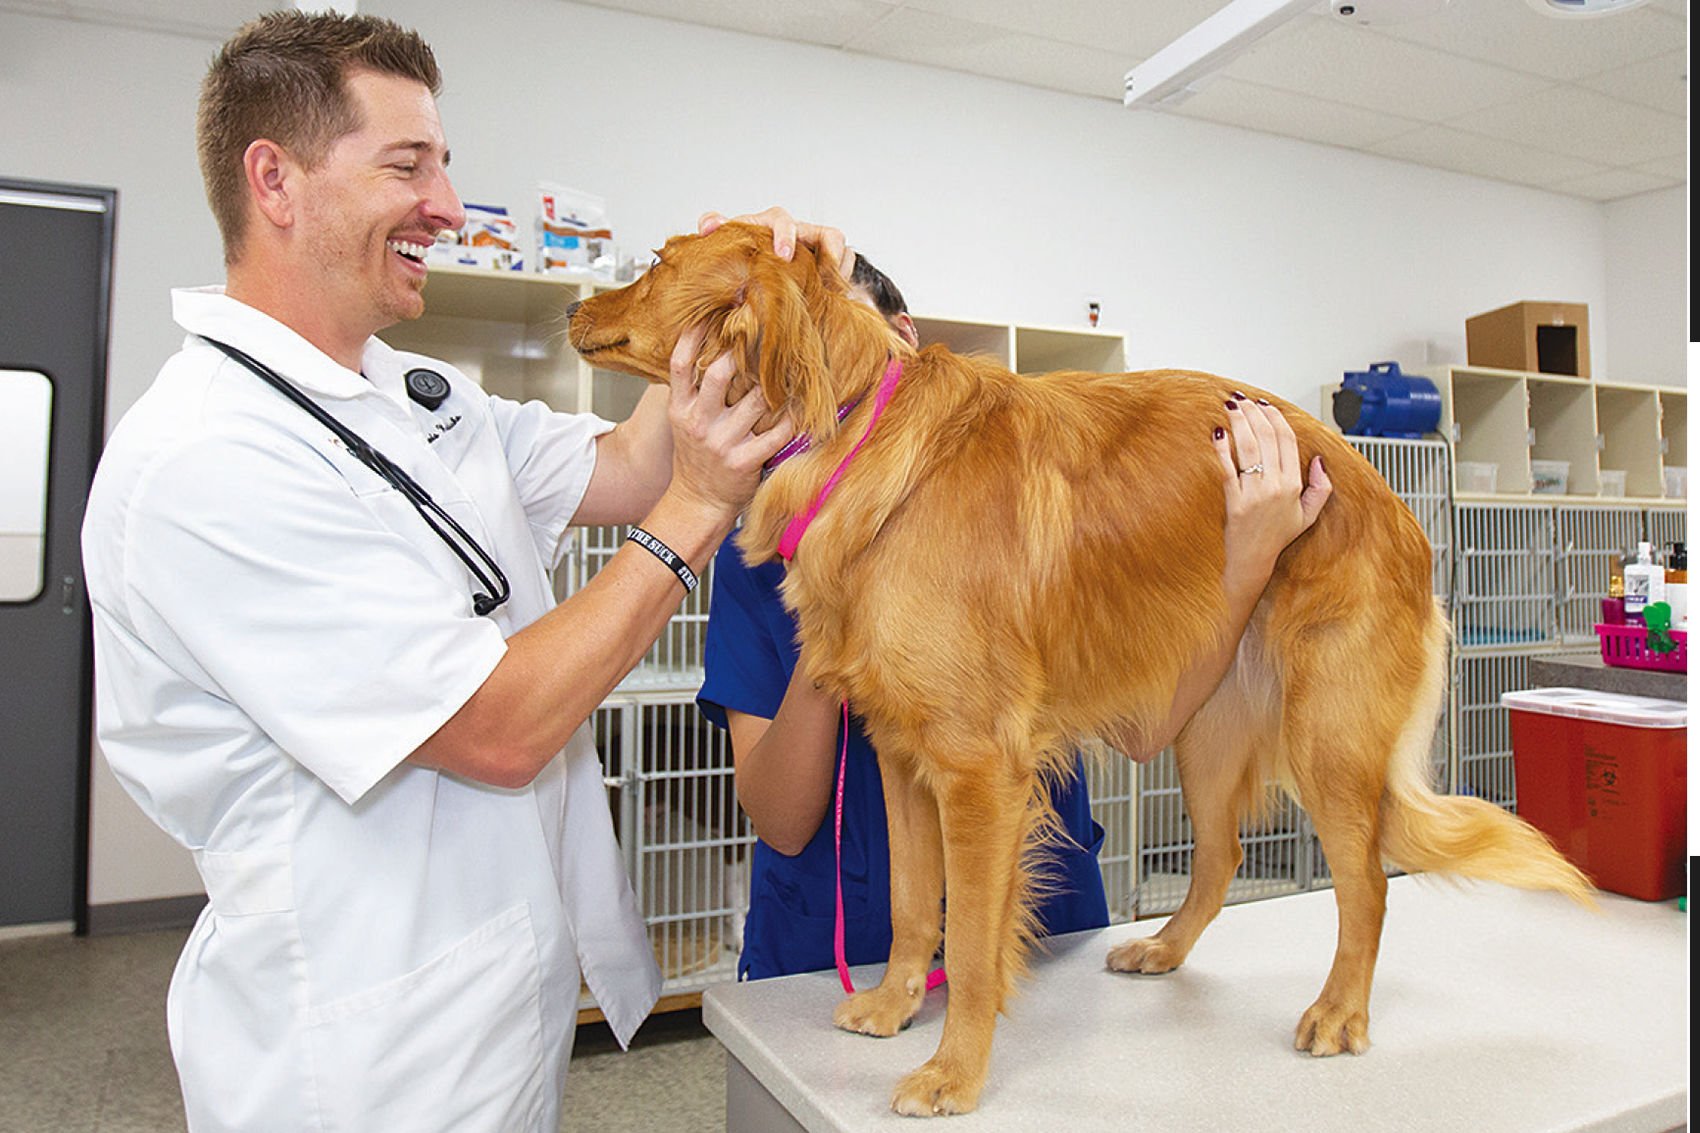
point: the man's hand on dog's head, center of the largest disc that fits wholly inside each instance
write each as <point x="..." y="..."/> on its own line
<point x="829" y="243"/>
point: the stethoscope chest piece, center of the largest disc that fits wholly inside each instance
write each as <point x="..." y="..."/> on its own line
<point x="427" y="387"/>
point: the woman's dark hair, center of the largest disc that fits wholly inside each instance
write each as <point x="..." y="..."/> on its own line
<point x="888" y="300"/>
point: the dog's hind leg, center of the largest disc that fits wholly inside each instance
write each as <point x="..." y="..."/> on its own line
<point x="1215" y="755"/>
<point x="984" y="820"/>
<point x="1340" y="774"/>
<point x="917" y="887"/>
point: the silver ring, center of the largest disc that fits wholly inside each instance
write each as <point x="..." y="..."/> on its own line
<point x="1256" y="469"/>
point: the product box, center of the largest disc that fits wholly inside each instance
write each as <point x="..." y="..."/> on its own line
<point x="1605" y="776"/>
<point x="573" y="236"/>
<point x="489" y="239"/>
<point x="1538" y="337"/>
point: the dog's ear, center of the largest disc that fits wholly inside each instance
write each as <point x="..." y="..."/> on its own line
<point x="773" y="329"/>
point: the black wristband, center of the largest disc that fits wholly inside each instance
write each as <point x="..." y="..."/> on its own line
<point x="665" y="553"/>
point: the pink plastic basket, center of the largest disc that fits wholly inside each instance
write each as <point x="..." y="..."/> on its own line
<point x="1626" y="647"/>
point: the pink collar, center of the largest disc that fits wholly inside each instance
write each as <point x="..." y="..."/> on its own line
<point x="800" y="522"/>
<point x="803" y="441"/>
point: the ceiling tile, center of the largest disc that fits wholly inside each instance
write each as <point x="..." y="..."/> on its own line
<point x="1660" y="83"/>
<point x="1582" y="123"/>
<point x="962" y="45"/>
<point x="1138" y="28"/>
<point x="198" y="19"/>
<point x="1444" y="148"/>
<point x="1293" y="115"/>
<point x="1348" y="64"/>
<point x="1675" y="166"/>
<point x="1612" y="184"/>
<point x="1509" y="33"/>
<point x="831" y="23"/>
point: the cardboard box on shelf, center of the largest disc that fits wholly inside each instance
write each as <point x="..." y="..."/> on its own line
<point x="1537" y="337"/>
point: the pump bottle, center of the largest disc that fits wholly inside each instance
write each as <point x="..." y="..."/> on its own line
<point x="1676" y="585"/>
<point x="1643" y="582"/>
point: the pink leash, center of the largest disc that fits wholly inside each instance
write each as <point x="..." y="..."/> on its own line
<point x="934" y="977"/>
<point x="800" y="523"/>
<point x="787" y="549"/>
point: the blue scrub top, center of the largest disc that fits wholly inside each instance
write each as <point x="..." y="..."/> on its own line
<point x="749" y="657"/>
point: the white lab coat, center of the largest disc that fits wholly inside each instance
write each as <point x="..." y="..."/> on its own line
<point x="386" y="947"/>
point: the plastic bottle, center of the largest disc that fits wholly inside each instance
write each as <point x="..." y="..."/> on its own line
<point x="1676" y="585"/>
<point x="1611" y="606"/>
<point x="1643" y="582"/>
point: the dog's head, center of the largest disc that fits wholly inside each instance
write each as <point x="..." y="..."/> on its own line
<point x="790" y="325"/>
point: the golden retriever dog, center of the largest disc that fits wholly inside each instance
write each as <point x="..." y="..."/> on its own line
<point x="1013" y="564"/>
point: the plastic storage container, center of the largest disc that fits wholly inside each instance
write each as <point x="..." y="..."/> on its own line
<point x="1605" y="776"/>
<point x="1613" y="482"/>
<point x="1477" y="476"/>
<point x="1625" y="646"/>
<point x="1551" y="477"/>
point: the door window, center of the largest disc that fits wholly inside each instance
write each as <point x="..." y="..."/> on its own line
<point x="26" y="415"/>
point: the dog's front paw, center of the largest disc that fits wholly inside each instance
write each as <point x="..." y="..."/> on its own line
<point x="1330" y="1027"/>
<point x="1150" y="955"/>
<point x="936" y="1090"/>
<point x="881" y="1011"/>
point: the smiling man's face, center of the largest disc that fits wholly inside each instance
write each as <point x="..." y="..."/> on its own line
<point x="376" y="203"/>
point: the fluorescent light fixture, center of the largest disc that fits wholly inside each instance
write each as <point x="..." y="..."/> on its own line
<point x="1582" y="9"/>
<point x="1178" y="71"/>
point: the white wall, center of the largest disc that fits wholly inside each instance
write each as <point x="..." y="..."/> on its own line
<point x="1647" y="288"/>
<point x="1279" y="262"/>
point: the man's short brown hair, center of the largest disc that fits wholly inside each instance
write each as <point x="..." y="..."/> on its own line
<point x="284" y="77"/>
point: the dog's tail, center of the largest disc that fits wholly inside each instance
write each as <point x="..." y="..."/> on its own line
<point x="1422" y="831"/>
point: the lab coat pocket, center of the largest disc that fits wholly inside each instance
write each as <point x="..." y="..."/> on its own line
<point x="456" y="1044"/>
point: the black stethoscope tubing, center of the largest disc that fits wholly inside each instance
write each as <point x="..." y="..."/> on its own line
<point x="494" y="584"/>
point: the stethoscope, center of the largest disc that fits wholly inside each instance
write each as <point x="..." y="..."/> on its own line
<point x="429" y="388"/>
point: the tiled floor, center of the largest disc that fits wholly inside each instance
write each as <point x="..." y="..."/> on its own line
<point x="83" y="1049"/>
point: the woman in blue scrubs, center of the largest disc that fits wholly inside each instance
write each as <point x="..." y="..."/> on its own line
<point x="786" y="733"/>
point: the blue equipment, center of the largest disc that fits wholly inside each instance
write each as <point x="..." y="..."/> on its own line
<point x="1382" y="402"/>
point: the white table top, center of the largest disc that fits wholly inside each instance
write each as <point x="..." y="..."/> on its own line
<point x="1492" y="1010"/>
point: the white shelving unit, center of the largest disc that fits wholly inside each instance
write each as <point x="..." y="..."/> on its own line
<point x="1509" y="418"/>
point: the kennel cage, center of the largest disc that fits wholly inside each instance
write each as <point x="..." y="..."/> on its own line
<point x="674" y="662"/>
<point x="687" y="844"/>
<point x="1420" y="474"/>
<point x="1530" y="580"/>
<point x="1587" y="538"/>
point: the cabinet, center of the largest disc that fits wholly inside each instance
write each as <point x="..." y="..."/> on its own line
<point x="1514" y="420"/>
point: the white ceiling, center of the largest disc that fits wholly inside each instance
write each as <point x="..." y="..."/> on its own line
<point x="1593" y="108"/>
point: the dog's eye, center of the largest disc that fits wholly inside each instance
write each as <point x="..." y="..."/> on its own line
<point x="655" y="257"/>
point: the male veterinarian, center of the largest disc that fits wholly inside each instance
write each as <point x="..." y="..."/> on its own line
<point x="328" y="659"/>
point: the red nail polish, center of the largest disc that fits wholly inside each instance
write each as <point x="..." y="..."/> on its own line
<point x="1238" y="396"/>
<point x="1231" y="405"/>
<point x="1262" y="401"/>
<point x="1218" y="433"/>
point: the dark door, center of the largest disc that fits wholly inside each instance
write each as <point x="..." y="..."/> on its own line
<point x="55" y="288"/>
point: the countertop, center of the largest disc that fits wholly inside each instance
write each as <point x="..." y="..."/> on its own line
<point x="1493" y="1009"/>
<point x="1594" y="674"/>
